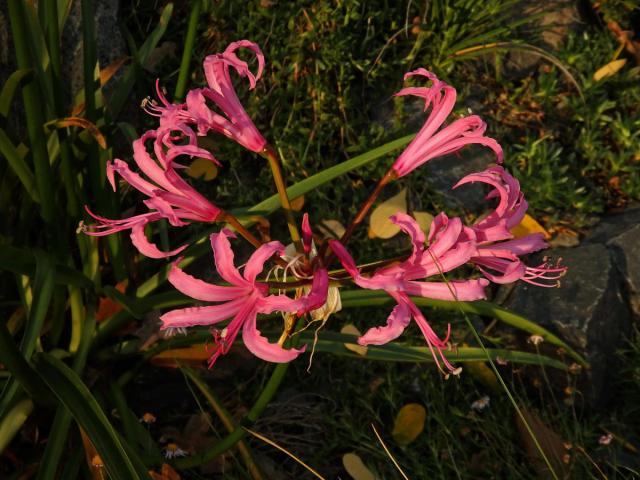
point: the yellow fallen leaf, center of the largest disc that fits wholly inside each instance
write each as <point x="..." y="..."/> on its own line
<point x="527" y="226"/>
<point x="483" y="373"/>
<point x="193" y="356"/>
<point x="409" y="423"/>
<point x="379" y="224"/>
<point x="350" y="329"/>
<point x="356" y="468"/>
<point x="424" y="219"/>
<point x="203" y="168"/>
<point x="609" y="69"/>
<point x="331" y="229"/>
<point x="297" y="203"/>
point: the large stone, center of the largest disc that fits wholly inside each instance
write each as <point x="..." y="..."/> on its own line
<point x="588" y="311"/>
<point x="599" y="297"/>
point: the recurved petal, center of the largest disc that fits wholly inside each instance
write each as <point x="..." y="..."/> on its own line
<point x="209" y="315"/>
<point x="255" y="265"/>
<point x="201" y="290"/>
<point x="260" y="346"/>
<point x="145" y="247"/>
<point x="223" y="255"/>
<point x="396" y="323"/>
<point x="411" y="228"/>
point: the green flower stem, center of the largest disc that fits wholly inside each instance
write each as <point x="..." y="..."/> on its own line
<point x="362" y="213"/>
<point x="276" y="170"/>
<point x="189" y="42"/>
<point x="239" y="433"/>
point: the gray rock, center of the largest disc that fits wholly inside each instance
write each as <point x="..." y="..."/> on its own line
<point x="599" y="298"/>
<point x="443" y="173"/>
<point x="588" y="311"/>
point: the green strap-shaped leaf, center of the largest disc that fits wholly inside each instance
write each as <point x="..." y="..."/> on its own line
<point x="18" y="165"/>
<point x="368" y="298"/>
<point x="332" y="342"/>
<point x="10" y="87"/>
<point x="74" y="394"/>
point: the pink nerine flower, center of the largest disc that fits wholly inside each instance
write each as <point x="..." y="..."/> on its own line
<point x="170" y="196"/>
<point x="241" y="301"/>
<point x="431" y="143"/>
<point x="233" y="120"/>
<point x="450" y="246"/>
<point x="498" y="255"/>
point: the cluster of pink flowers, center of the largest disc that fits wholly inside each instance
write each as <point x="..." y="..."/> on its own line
<point x="487" y="244"/>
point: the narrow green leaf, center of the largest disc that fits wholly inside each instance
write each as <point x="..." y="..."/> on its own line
<point x="15" y="80"/>
<point x="70" y="390"/>
<point x="19" y="166"/>
<point x="20" y="369"/>
<point x="366" y="298"/>
<point x="13" y="421"/>
<point x="42" y="292"/>
<point x="156" y="34"/>
<point x="331" y="342"/>
<point x="187" y="53"/>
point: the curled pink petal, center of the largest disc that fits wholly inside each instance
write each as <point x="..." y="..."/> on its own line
<point x="397" y="321"/>
<point x="255" y="264"/>
<point x="224" y="257"/>
<point x="148" y="249"/>
<point x="261" y="347"/>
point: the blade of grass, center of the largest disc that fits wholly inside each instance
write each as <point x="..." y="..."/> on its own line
<point x="189" y="41"/>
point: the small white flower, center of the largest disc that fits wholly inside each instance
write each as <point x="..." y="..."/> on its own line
<point x="605" y="439"/>
<point x="480" y="404"/>
<point x="172" y="450"/>
<point x="535" y="339"/>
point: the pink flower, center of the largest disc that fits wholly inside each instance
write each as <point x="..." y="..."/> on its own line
<point x="431" y="143"/>
<point x="450" y="246"/>
<point x="170" y="196"/>
<point x="498" y="255"/>
<point x="232" y="121"/>
<point x="241" y="301"/>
